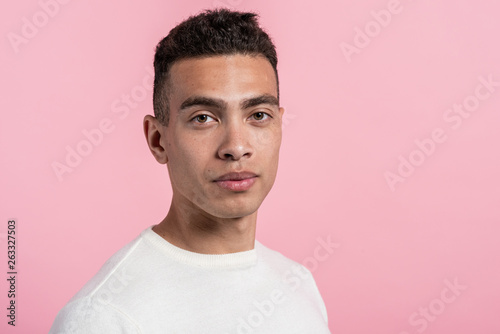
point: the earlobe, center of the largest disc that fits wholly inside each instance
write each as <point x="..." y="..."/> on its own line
<point x="153" y="132"/>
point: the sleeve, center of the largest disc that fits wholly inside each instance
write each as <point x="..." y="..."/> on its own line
<point x="84" y="317"/>
<point x="317" y="295"/>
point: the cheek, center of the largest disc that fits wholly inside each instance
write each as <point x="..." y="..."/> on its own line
<point x="269" y="142"/>
<point x="189" y="155"/>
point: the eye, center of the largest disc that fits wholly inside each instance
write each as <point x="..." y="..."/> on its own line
<point x="259" y="116"/>
<point x="202" y="118"/>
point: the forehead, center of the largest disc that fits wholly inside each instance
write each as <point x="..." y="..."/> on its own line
<point x="226" y="77"/>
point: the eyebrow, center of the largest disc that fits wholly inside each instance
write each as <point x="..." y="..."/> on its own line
<point x="221" y="104"/>
<point x="261" y="99"/>
<point x="203" y="101"/>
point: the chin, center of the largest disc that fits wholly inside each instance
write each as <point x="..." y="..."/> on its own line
<point x="234" y="210"/>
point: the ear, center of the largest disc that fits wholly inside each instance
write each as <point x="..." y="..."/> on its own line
<point x="154" y="131"/>
<point x="282" y="110"/>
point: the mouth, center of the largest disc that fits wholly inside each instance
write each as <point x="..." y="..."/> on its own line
<point x="241" y="181"/>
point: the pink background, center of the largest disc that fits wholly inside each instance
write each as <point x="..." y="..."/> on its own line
<point x="350" y="120"/>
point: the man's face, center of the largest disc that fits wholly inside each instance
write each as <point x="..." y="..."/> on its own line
<point x="224" y="118"/>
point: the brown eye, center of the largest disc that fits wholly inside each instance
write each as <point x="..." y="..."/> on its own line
<point x="259" y="116"/>
<point x="201" y="118"/>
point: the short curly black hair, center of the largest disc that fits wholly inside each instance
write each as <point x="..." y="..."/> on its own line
<point x="210" y="33"/>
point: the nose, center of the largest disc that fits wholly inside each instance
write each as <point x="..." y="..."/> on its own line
<point x="235" y="143"/>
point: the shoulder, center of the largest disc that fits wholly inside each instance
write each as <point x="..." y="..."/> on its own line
<point x="276" y="260"/>
<point x="113" y="271"/>
<point x="94" y="308"/>
<point x="294" y="276"/>
<point x="88" y="316"/>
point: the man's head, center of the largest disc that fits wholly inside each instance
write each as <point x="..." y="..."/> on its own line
<point x="211" y="33"/>
<point x="222" y="138"/>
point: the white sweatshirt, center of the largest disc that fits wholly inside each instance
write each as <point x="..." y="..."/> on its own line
<point x="151" y="286"/>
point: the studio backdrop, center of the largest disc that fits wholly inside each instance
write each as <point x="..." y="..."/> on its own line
<point x="388" y="187"/>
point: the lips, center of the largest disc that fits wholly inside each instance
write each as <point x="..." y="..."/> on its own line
<point x="236" y="176"/>
<point x="241" y="181"/>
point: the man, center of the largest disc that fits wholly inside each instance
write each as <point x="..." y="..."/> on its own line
<point x="217" y="127"/>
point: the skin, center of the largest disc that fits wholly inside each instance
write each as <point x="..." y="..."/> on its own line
<point x="235" y="127"/>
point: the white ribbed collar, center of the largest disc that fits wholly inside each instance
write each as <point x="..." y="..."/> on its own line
<point x="231" y="260"/>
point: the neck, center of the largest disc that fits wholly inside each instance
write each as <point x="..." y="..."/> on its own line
<point x="197" y="231"/>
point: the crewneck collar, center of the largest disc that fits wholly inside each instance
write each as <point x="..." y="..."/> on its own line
<point x="231" y="260"/>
